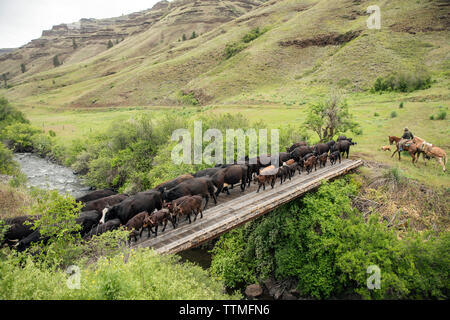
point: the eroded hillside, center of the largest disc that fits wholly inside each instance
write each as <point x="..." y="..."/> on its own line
<point x="307" y="45"/>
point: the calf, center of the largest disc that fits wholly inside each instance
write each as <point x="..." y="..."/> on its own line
<point x="268" y="174"/>
<point x="136" y="225"/>
<point x="323" y="160"/>
<point x="386" y="148"/>
<point x="294" y="167"/>
<point x="334" y="156"/>
<point x="283" y="173"/>
<point x="158" y="218"/>
<point x="310" y="163"/>
<point x="188" y="206"/>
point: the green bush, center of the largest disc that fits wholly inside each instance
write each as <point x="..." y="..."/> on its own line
<point x="327" y="246"/>
<point x="232" y="49"/>
<point x="187" y="99"/>
<point x="253" y="34"/>
<point x="140" y="275"/>
<point x="9" y="114"/>
<point x="441" y="115"/>
<point x="403" y="82"/>
<point x="57" y="223"/>
<point x="393" y="114"/>
<point x="19" y="136"/>
<point x="7" y="164"/>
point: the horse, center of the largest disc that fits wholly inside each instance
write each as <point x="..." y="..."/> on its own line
<point x="412" y="148"/>
<point x="430" y="150"/>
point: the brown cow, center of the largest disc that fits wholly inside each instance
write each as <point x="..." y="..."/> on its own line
<point x="323" y="160"/>
<point x="161" y="217"/>
<point x="268" y="174"/>
<point x="310" y="163"/>
<point x="136" y="225"/>
<point x="187" y="207"/>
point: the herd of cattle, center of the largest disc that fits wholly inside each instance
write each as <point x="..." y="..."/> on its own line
<point x="104" y="210"/>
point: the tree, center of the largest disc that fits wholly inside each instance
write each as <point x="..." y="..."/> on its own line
<point x="74" y="44"/>
<point x="23" y="68"/>
<point x="330" y="118"/>
<point x="56" y="61"/>
<point x="5" y="78"/>
<point x="194" y="35"/>
<point x="184" y="37"/>
<point x="110" y="44"/>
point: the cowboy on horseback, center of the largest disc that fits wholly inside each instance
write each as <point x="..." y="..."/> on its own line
<point x="407" y="137"/>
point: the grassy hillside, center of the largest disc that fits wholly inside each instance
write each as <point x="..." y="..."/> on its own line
<point x="309" y="46"/>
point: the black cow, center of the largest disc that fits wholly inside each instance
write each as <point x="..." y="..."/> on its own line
<point x="296" y="145"/>
<point x="198" y="186"/>
<point x="343" y="147"/>
<point x="284" y="157"/>
<point x="96" y="195"/>
<point x="127" y="209"/>
<point x="102" y="228"/>
<point x="229" y="177"/>
<point x="173" y="183"/>
<point x="18" y="228"/>
<point x="300" y="152"/>
<point x="207" y="172"/>
<point x="102" y="203"/>
<point x="334" y="156"/>
<point x="36" y="236"/>
<point x="88" y="220"/>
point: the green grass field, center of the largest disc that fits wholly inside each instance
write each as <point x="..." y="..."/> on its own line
<point x="371" y="111"/>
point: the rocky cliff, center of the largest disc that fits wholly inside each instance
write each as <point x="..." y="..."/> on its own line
<point x="87" y="38"/>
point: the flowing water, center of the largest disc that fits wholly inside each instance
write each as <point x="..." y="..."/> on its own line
<point x="47" y="175"/>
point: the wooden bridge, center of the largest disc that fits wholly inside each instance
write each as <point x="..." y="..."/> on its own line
<point x="241" y="208"/>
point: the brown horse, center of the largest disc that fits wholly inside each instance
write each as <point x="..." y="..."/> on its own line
<point x="430" y="150"/>
<point x="412" y="148"/>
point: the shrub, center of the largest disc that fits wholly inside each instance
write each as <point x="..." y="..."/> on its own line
<point x="401" y="105"/>
<point x="403" y="82"/>
<point x="253" y="34"/>
<point x="327" y="246"/>
<point x="42" y="144"/>
<point x="376" y="114"/>
<point x="56" y="223"/>
<point x="7" y="164"/>
<point x="9" y="114"/>
<point x="393" y="114"/>
<point x="56" y="62"/>
<point x="232" y="49"/>
<point x="441" y="115"/>
<point x="140" y="275"/>
<point x="19" y="136"/>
